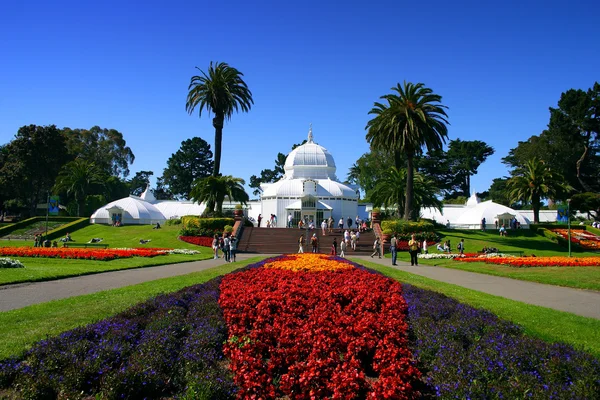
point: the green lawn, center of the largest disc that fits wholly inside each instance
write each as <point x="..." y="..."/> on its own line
<point x="124" y="236"/>
<point x="19" y="329"/>
<point x="40" y="269"/>
<point x="545" y="323"/>
<point x="526" y="241"/>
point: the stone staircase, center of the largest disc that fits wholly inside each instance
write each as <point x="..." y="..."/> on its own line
<point x="285" y="240"/>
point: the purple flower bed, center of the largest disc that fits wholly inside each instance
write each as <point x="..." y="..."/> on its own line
<point x="465" y="353"/>
<point x="170" y="345"/>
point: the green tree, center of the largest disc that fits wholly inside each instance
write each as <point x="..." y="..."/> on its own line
<point x="570" y="144"/>
<point x="587" y="202"/>
<point x="221" y="91"/>
<point x="30" y="165"/>
<point x="192" y="161"/>
<point x="464" y="159"/>
<point x="105" y="148"/>
<point x="390" y="191"/>
<point x="140" y="182"/>
<point x="214" y="190"/>
<point x="162" y="192"/>
<point x="498" y="192"/>
<point x="370" y="168"/>
<point x="76" y="179"/>
<point x="533" y="183"/>
<point x="413" y="118"/>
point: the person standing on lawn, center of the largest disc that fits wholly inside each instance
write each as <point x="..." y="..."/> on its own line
<point x="394" y="248"/>
<point x="232" y="248"/>
<point x="343" y="247"/>
<point x="413" y="249"/>
<point x="425" y="246"/>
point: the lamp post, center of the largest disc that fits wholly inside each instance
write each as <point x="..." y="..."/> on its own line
<point x="569" y="223"/>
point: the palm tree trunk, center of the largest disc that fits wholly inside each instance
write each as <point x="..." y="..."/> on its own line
<point x="218" y="124"/>
<point x="409" y="188"/>
<point x="535" y="204"/>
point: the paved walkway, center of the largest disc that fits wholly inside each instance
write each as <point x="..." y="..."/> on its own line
<point x="25" y="294"/>
<point x="581" y="302"/>
<point x="577" y="301"/>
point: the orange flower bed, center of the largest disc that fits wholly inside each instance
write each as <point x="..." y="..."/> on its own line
<point x="82" y="254"/>
<point x="523" y="262"/>
<point x="309" y="262"/>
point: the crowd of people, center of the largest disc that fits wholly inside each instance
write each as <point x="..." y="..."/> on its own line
<point x="227" y="244"/>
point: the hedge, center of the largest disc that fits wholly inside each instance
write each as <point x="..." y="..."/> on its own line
<point x="197" y="226"/>
<point x="402" y="226"/>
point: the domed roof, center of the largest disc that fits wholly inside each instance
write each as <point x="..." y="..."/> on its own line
<point x="294" y="188"/>
<point x="310" y="161"/>
<point x="133" y="210"/>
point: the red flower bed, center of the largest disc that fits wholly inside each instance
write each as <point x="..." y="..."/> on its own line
<point x="197" y="240"/>
<point x="83" y="254"/>
<point x="522" y="262"/>
<point x="312" y="335"/>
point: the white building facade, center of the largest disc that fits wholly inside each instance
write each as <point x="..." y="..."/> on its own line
<point x="309" y="190"/>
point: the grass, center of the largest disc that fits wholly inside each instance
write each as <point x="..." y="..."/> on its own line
<point x="526" y="241"/>
<point x="43" y="269"/>
<point x="20" y="328"/>
<point x="544" y="323"/>
<point x="37" y="227"/>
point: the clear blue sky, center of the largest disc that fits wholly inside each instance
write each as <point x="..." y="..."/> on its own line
<point x="127" y="65"/>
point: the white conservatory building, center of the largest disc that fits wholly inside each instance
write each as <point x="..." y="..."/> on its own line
<point x="309" y="190"/>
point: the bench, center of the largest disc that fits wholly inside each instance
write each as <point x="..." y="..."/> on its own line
<point x="86" y="245"/>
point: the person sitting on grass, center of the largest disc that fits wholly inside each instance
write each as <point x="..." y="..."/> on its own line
<point x="157" y="226"/>
<point x="95" y="240"/>
<point x="143" y="241"/>
<point x="502" y="230"/>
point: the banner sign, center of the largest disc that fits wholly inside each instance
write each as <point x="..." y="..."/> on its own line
<point x="53" y="205"/>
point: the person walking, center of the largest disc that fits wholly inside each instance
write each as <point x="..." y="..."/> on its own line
<point x="394" y="248"/>
<point x="301" y="244"/>
<point x="425" y="246"/>
<point x="349" y="222"/>
<point x="341" y="225"/>
<point x="330" y="222"/>
<point x="215" y="247"/>
<point x="314" y="241"/>
<point x="461" y="246"/>
<point x="376" y="247"/>
<point x="353" y="239"/>
<point x="232" y="248"/>
<point x="259" y="219"/>
<point x="324" y="227"/>
<point x="343" y="247"/>
<point x="333" y="251"/>
<point x="413" y="249"/>
<point x="290" y="218"/>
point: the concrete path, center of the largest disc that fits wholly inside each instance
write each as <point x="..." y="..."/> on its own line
<point x="577" y="301"/>
<point x="25" y="294"/>
<point x="581" y="302"/>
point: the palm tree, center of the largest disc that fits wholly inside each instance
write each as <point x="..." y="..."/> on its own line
<point x="214" y="189"/>
<point x="76" y="178"/>
<point x="221" y="92"/>
<point x="390" y="191"/>
<point x="533" y="182"/>
<point x="412" y="118"/>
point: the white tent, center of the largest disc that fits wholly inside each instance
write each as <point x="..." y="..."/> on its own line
<point x="471" y="218"/>
<point x="130" y="210"/>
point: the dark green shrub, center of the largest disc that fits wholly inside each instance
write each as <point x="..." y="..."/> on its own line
<point x="175" y="221"/>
